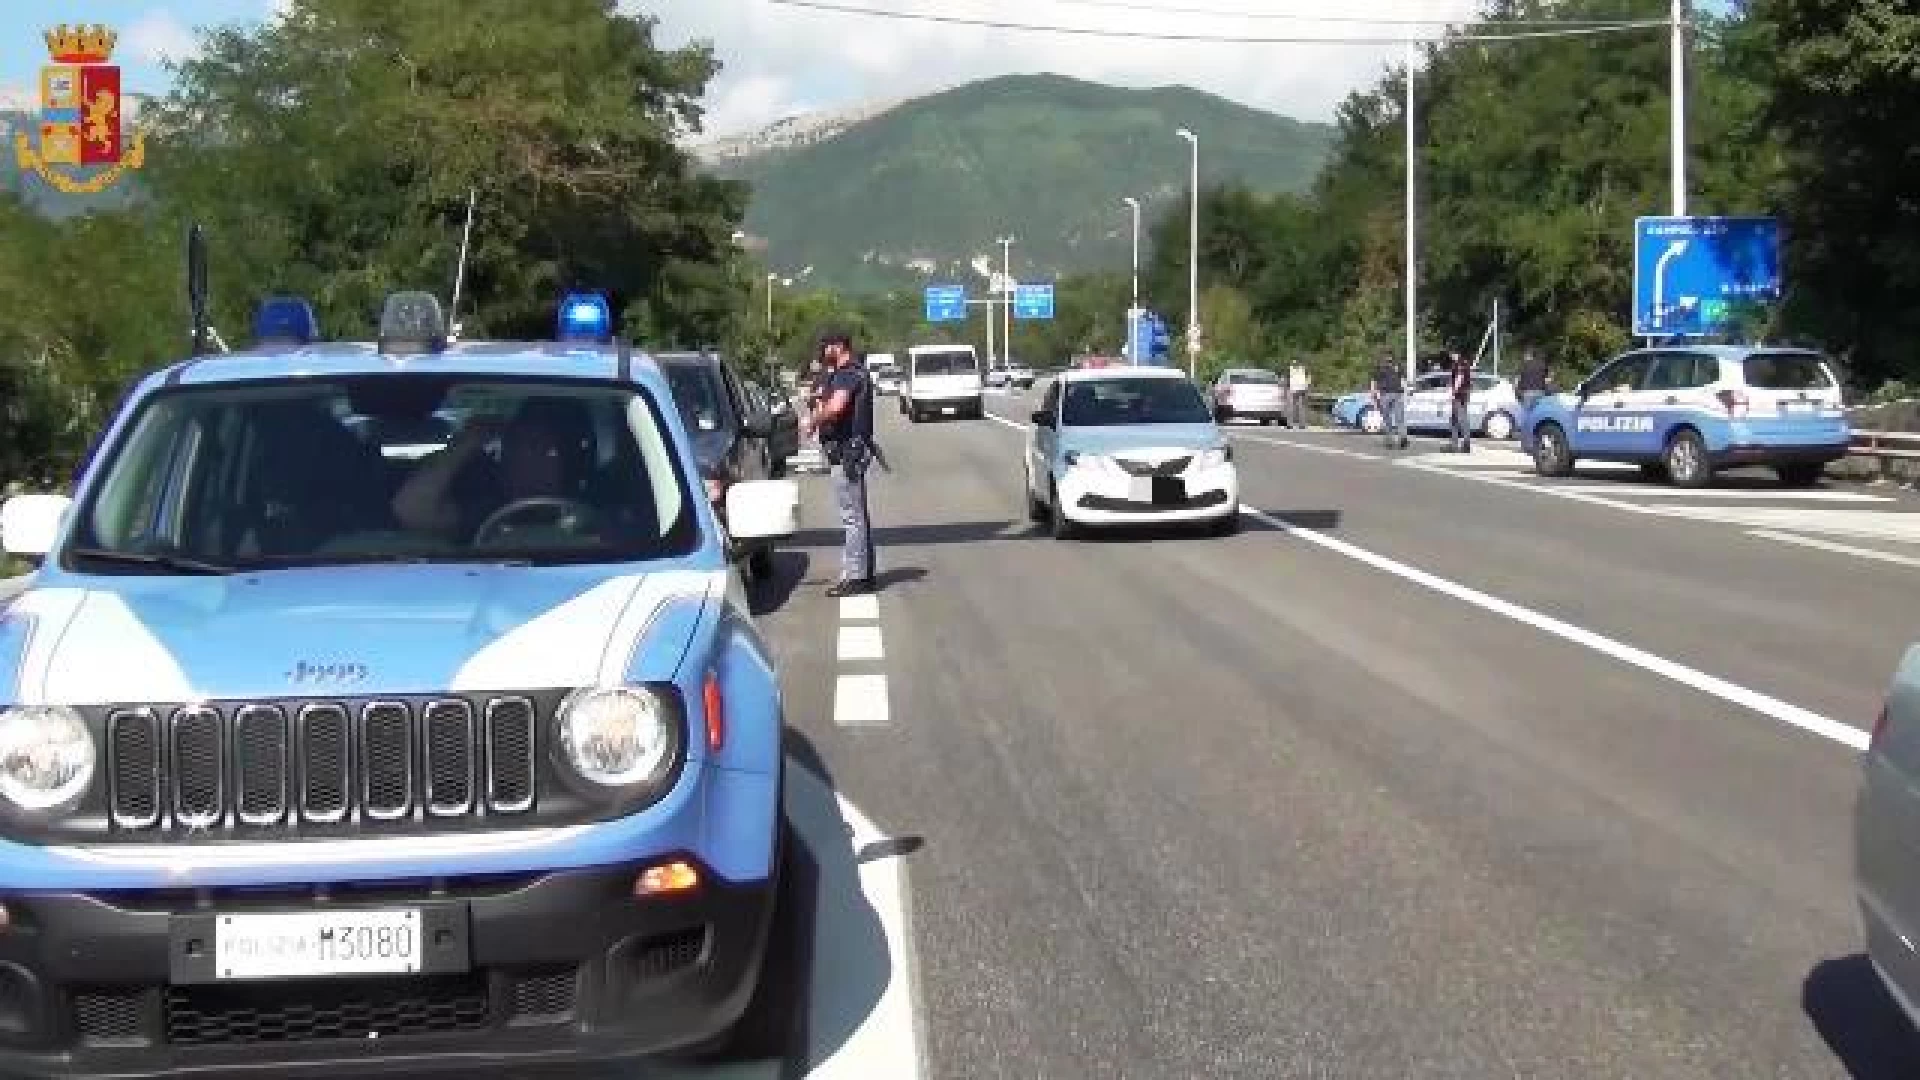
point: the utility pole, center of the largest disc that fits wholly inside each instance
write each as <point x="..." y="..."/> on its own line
<point x="1006" y="313"/>
<point x="1678" y="125"/>
<point x="1413" y="269"/>
<point x="1133" y="306"/>
<point x="1193" y="261"/>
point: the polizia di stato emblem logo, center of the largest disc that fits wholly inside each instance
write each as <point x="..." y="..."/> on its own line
<point x="84" y="145"/>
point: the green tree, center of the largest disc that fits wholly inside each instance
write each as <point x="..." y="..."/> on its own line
<point x="331" y="152"/>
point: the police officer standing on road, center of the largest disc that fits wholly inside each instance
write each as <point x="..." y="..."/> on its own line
<point x="1460" y="383"/>
<point x="1297" y="383"/>
<point x="1389" y="386"/>
<point x="844" y="419"/>
<point x="1531" y="387"/>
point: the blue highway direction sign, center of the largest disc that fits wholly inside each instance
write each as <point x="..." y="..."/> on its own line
<point x="1690" y="273"/>
<point x="1033" y="301"/>
<point x="946" y="303"/>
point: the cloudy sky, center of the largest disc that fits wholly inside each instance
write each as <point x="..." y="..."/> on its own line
<point x="781" y="59"/>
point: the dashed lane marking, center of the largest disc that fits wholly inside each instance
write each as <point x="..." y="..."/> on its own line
<point x="861" y="643"/>
<point x="1764" y="704"/>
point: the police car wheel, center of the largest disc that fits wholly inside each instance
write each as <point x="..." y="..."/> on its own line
<point x="1686" y="459"/>
<point x="1551" y="455"/>
<point x="760" y="564"/>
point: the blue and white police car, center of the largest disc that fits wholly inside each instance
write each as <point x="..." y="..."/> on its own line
<point x="318" y="752"/>
<point x="1685" y="412"/>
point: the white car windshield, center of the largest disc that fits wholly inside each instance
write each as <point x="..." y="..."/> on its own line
<point x="1113" y="402"/>
<point x="954" y="362"/>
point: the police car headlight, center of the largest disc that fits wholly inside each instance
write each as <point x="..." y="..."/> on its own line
<point x="616" y="737"/>
<point x="46" y="756"/>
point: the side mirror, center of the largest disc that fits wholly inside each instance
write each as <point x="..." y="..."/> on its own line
<point x="28" y="523"/>
<point x="1042" y="418"/>
<point x="763" y="509"/>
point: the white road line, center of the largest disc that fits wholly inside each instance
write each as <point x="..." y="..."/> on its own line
<point x="860" y="643"/>
<point x="865" y="608"/>
<point x="998" y="419"/>
<point x="1784" y="712"/>
<point x="861" y="701"/>
<point x="1524" y="485"/>
<point x="1730" y="494"/>
<point x="1839" y="549"/>
<point x="870" y="1023"/>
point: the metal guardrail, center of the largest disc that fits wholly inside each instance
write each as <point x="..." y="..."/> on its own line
<point x="1901" y="445"/>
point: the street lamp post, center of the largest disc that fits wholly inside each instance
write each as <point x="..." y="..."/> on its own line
<point x="1006" y="313"/>
<point x="1133" y="306"/>
<point x="1678" y="134"/>
<point x="1193" y="261"/>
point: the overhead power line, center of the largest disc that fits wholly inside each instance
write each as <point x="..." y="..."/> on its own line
<point x="1218" y="39"/>
<point x="1151" y="8"/>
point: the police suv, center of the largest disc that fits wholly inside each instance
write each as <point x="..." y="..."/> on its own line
<point x="1685" y="412"/>
<point x="321" y="753"/>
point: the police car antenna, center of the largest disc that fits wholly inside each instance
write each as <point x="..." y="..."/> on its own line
<point x="460" y="269"/>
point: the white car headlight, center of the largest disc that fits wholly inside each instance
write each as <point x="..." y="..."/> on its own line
<point x="616" y="737"/>
<point x="46" y="756"/>
<point x="1094" y="462"/>
<point x="1216" y="457"/>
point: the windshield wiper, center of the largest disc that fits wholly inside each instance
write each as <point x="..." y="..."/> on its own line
<point x="179" y="564"/>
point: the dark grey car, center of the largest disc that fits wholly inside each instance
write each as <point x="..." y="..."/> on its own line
<point x="732" y="432"/>
<point x="1887" y="838"/>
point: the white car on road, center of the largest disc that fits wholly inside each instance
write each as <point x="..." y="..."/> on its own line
<point x="1129" y="445"/>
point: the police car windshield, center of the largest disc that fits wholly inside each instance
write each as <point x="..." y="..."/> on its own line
<point x="1113" y="402"/>
<point x="388" y="468"/>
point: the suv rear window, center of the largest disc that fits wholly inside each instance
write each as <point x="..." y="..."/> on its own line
<point x="1787" y="371"/>
<point x="1261" y="378"/>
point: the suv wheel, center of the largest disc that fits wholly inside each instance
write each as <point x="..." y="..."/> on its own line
<point x="1688" y="465"/>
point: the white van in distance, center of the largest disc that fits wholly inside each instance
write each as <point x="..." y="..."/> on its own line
<point x="942" y="380"/>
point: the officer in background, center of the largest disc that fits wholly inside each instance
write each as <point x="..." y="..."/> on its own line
<point x="1298" y="382"/>
<point x="1389" y="390"/>
<point x="844" y="419"/>
<point x="1530" y="387"/>
<point x="1460" y="385"/>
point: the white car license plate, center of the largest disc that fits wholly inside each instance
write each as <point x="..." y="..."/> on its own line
<point x="949" y="410"/>
<point x="1802" y="406"/>
<point x="306" y="944"/>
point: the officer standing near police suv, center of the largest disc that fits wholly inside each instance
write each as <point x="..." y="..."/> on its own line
<point x="844" y="419"/>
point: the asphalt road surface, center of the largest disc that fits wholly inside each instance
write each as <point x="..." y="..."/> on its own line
<point x="1435" y="770"/>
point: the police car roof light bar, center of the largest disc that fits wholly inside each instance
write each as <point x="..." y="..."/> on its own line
<point x="412" y="322"/>
<point x="285" y="319"/>
<point x="586" y="316"/>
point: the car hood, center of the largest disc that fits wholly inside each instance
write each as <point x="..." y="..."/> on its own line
<point x="346" y="630"/>
<point x="1140" y="438"/>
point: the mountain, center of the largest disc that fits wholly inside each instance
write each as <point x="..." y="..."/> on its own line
<point x="885" y="196"/>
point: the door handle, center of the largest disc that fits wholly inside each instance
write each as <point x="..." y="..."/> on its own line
<point x="1673" y="401"/>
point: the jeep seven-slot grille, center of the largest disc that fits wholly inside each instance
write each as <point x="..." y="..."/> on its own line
<point x="267" y="765"/>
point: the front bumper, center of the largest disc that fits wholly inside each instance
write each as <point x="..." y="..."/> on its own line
<point x="1104" y="496"/>
<point x="552" y="968"/>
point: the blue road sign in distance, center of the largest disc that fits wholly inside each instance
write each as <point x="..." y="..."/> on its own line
<point x="946" y="303"/>
<point x="1033" y="301"/>
<point x="1690" y="273"/>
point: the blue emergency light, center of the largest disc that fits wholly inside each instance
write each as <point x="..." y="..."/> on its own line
<point x="586" y="317"/>
<point x="285" y="319"/>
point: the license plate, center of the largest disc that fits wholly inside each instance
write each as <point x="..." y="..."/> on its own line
<point x="949" y="410"/>
<point x="1169" y="491"/>
<point x="1803" y="406"/>
<point x="309" y="944"/>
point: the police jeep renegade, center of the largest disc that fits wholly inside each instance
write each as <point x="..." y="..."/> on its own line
<point x="387" y="707"/>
